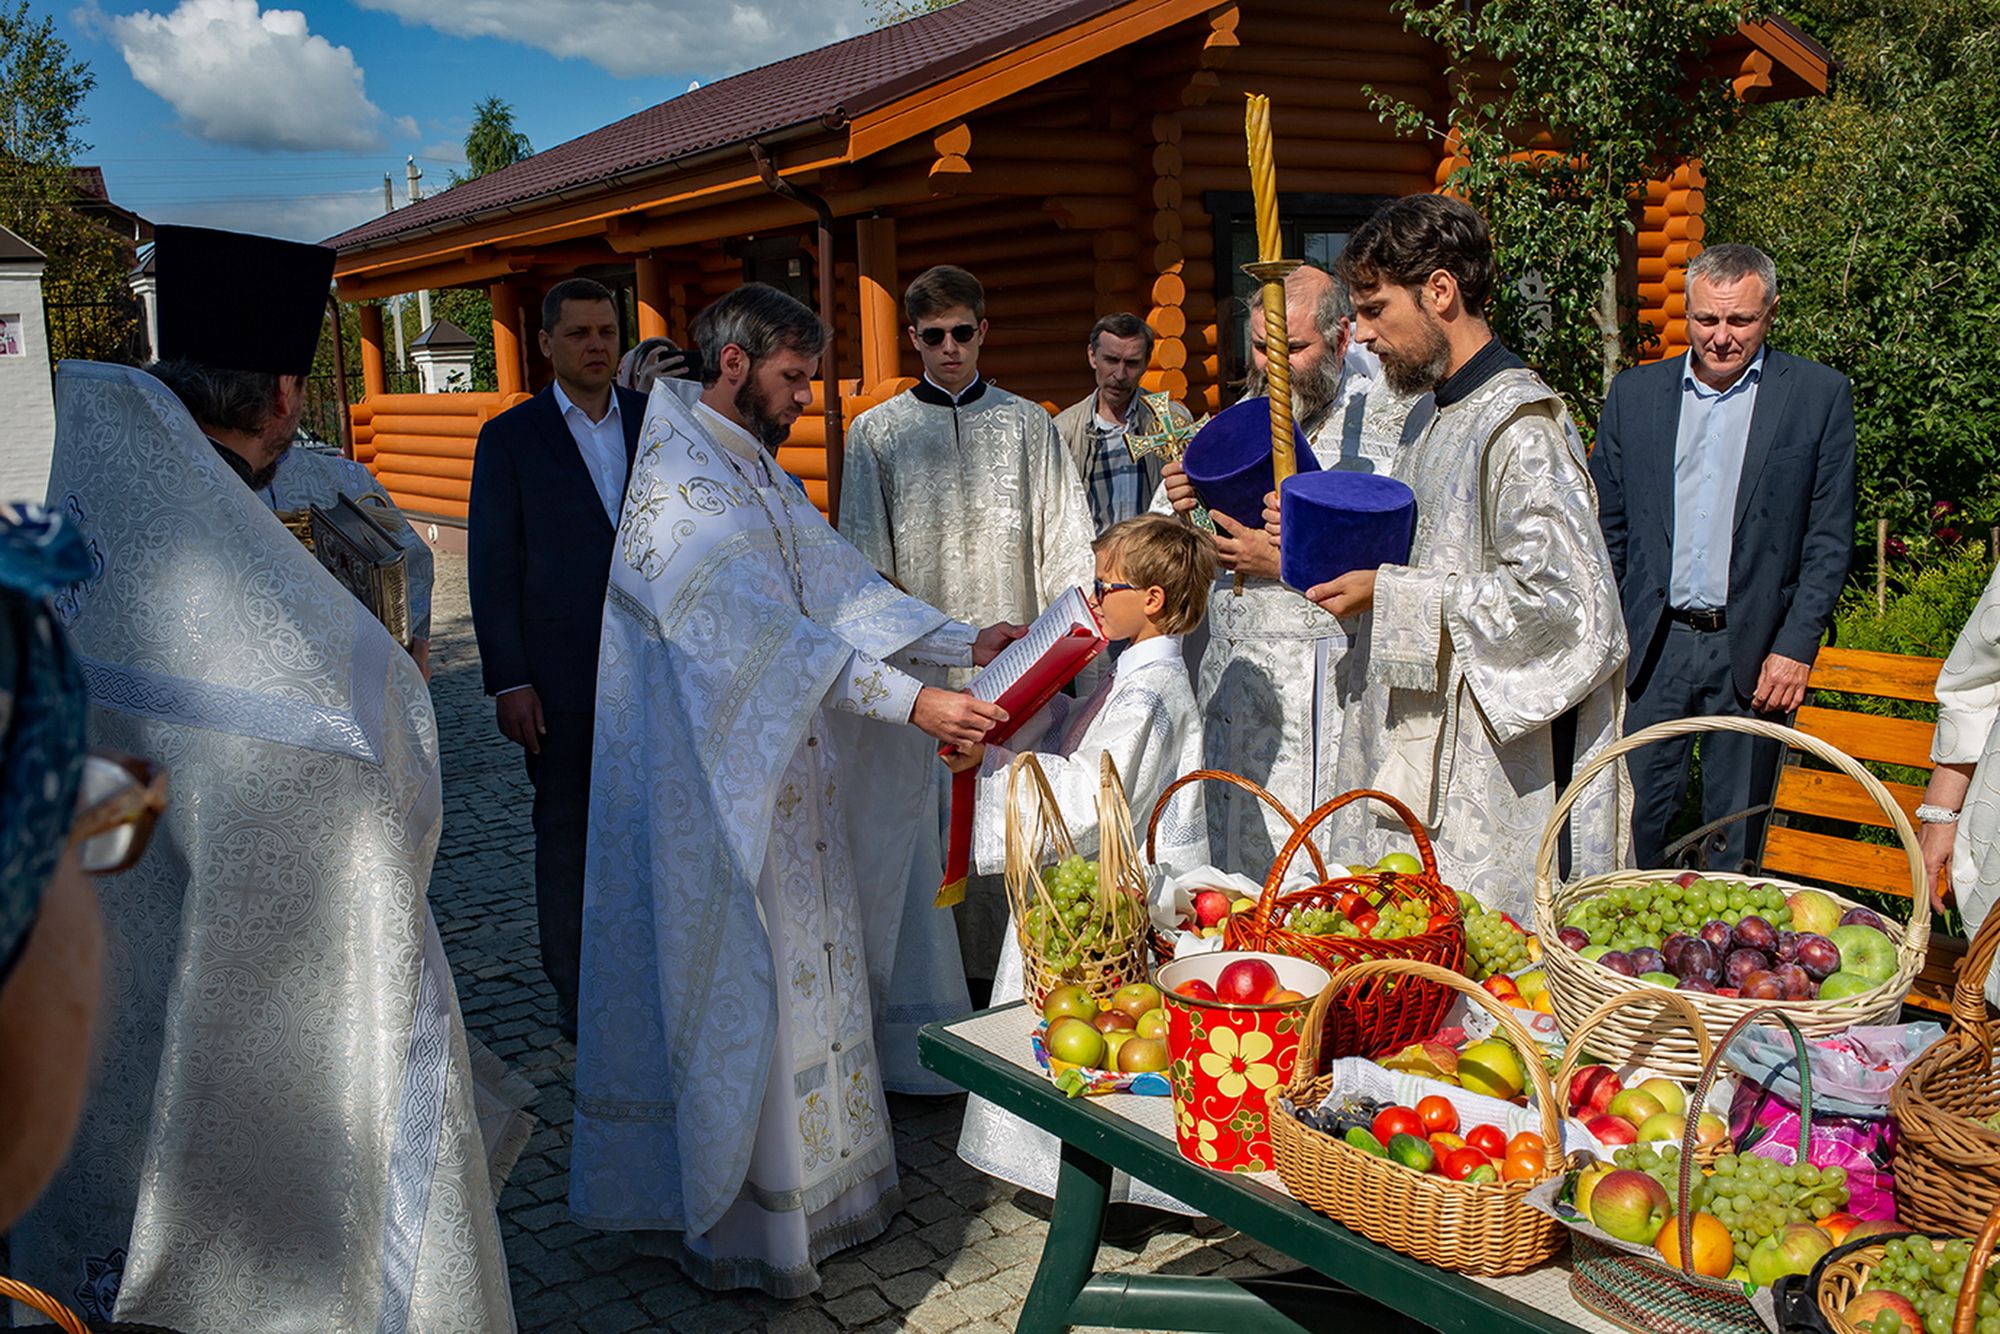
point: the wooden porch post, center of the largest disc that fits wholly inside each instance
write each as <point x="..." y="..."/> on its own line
<point x="651" y="281"/>
<point x="509" y="374"/>
<point x="880" y="303"/>
<point x="373" y="381"/>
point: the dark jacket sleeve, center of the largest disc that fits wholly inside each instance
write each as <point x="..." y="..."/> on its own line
<point x="1829" y="536"/>
<point x="495" y="558"/>
<point x="1607" y="470"/>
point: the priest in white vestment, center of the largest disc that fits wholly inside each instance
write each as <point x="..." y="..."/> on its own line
<point x="282" y="1133"/>
<point x="1493" y="660"/>
<point x="1960" y="813"/>
<point x="1273" y="681"/>
<point x="739" y="921"/>
<point x="963" y="493"/>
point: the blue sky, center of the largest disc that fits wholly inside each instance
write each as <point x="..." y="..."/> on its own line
<point x="233" y="113"/>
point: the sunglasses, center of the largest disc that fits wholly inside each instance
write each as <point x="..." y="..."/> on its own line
<point x="1098" y="588"/>
<point x="960" y="334"/>
<point x="118" y="803"/>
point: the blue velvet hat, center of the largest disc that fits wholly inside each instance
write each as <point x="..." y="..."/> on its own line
<point x="1333" y="522"/>
<point x="1229" y="461"/>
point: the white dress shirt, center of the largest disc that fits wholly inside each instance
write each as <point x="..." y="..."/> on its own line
<point x="602" y="444"/>
<point x="1713" y="436"/>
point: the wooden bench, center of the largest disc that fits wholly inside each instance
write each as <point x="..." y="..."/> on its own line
<point x="1843" y="862"/>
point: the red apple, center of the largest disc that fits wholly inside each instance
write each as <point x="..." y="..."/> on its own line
<point x="1195" y="989"/>
<point x="1612" y="1129"/>
<point x="1107" y="1020"/>
<point x="1592" y="1088"/>
<point x="1210" y="907"/>
<point x="1861" y="1311"/>
<point x="1630" y="1205"/>
<point x="1246" y="982"/>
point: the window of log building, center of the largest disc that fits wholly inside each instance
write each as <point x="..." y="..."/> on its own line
<point x="1315" y="228"/>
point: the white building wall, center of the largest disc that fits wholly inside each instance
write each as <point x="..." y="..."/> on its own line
<point x="27" y="396"/>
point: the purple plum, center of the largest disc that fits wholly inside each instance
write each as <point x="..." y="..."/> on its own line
<point x="1754" y="933"/>
<point x="1700" y="984"/>
<point x="1618" y="962"/>
<point x="1646" y="959"/>
<point x="1788" y="946"/>
<point x="1819" y="956"/>
<point x="1699" y="959"/>
<point x="1798" y="984"/>
<point x="1762" y="985"/>
<point x="1740" y="964"/>
<point x="1671" y="947"/>
<point x="1575" y="937"/>
<point x="1865" y="917"/>
<point x="1716" y="932"/>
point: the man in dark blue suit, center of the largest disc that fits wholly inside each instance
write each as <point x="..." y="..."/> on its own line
<point x="1725" y="484"/>
<point x="548" y="482"/>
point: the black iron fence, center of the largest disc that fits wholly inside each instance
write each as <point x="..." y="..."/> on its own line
<point x="96" y="330"/>
<point x="325" y="401"/>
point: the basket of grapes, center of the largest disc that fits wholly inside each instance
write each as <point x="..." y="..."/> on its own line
<point x="1078" y="922"/>
<point x="1734" y="944"/>
<point x="1910" y="1283"/>
<point x="1212" y="915"/>
<point x="1664" y="1244"/>
<point x="1947" y="1108"/>
<point x="1399" y="909"/>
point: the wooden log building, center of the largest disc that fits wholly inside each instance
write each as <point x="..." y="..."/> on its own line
<point x="1080" y="156"/>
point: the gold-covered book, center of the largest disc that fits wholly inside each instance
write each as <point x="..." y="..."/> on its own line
<point x="362" y="553"/>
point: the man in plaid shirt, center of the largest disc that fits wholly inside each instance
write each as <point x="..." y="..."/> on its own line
<point x="1094" y="430"/>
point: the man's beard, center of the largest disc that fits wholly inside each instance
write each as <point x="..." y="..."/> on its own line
<point x="759" y="418"/>
<point x="1313" y="394"/>
<point x="1424" y="369"/>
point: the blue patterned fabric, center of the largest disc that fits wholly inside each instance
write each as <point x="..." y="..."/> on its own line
<point x="42" y="705"/>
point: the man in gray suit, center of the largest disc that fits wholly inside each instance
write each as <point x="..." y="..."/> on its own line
<point x="1725" y="483"/>
<point x="1095" y="429"/>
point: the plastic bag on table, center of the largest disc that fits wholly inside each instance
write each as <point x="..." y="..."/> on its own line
<point x="1763" y="1122"/>
<point x="1852" y="1072"/>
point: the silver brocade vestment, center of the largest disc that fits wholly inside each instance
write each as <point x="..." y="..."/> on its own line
<point x="1968" y="691"/>
<point x="1506" y="617"/>
<point x="282" y="1134"/>
<point x="306" y="477"/>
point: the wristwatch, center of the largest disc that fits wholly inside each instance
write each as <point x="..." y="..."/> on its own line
<point x="1929" y="814"/>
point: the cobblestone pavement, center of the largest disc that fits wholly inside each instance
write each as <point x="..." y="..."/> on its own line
<point x="960" y="1254"/>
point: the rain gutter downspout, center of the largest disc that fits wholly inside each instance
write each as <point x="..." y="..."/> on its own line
<point x="836" y="449"/>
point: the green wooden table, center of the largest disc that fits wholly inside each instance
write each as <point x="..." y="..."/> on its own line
<point x="988" y="1054"/>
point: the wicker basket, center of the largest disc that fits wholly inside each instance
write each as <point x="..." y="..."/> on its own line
<point x="1843" y="1275"/>
<point x="1577" y="986"/>
<point x="1947" y="1163"/>
<point x="65" y="1319"/>
<point x="1483" y="1229"/>
<point x="1616" y="1012"/>
<point x="1163" y="941"/>
<point x="1640" y="1292"/>
<point x="1037" y="837"/>
<point x="1385" y="1013"/>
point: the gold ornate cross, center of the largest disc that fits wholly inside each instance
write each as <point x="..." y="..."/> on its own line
<point x="1169" y="440"/>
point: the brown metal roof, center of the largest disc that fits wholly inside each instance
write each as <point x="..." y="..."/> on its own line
<point x="13" y="250"/>
<point x="828" y="86"/>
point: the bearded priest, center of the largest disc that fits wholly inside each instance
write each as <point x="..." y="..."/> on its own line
<point x="739" y="918"/>
<point x="1494" y="659"/>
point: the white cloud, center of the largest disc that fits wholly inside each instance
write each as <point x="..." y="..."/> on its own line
<point x="640" y="38"/>
<point x="250" y="78"/>
<point x="312" y="217"/>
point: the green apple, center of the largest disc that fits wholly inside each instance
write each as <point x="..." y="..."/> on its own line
<point x="1139" y="1055"/>
<point x="1402" y="863"/>
<point x="1842" y="984"/>
<point x="1813" y="911"/>
<point x="1114" y="1043"/>
<point x="1636" y="1106"/>
<point x="1135" y="998"/>
<point x="1864" y="950"/>
<point x="1069" y="1002"/>
<point x="1668" y="1094"/>
<point x="1071" y="1039"/>
<point x="1662" y="1125"/>
<point x="1153" y="1024"/>
<point x="1593" y="952"/>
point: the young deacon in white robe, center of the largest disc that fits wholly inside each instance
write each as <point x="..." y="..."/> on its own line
<point x="739" y="922"/>
<point x="1273" y="680"/>
<point x="1506" y="617"/>
<point x="1151" y="587"/>
<point x="963" y="493"/>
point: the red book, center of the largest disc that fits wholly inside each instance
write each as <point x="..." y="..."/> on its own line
<point x="1024" y="677"/>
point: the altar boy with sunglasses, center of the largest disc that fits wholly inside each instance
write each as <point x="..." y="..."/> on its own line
<point x="963" y="493"/>
<point x="1151" y="587"/>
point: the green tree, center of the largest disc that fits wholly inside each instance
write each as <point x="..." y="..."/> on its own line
<point x="1598" y="99"/>
<point x="1879" y="205"/>
<point x="895" y="11"/>
<point x="492" y="142"/>
<point x="42" y="89"/>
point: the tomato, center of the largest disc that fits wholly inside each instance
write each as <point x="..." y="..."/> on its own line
<point x="1439" y="922"/>
<point x="1438" y="1114"/>
<point x="1522" y="1164"/>
<point x="1488" y="1140"/>
<point x="1365" y="919"/>
<point x="1443" y="1142"/>
<point x="1349" y="901"/>
<point x="1461" y="1163"/>
<point x="1393" y="1121"/>
<point x="1526" y="1142"/>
